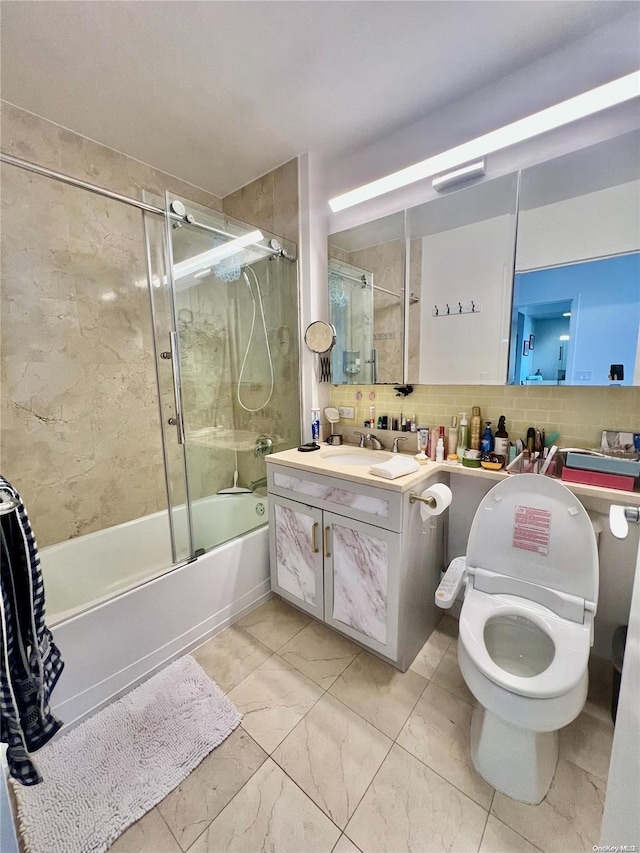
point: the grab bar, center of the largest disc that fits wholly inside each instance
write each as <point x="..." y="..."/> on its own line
<point x="8" y="504"/>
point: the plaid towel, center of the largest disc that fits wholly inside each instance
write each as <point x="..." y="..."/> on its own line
<point x="31" y="663"/>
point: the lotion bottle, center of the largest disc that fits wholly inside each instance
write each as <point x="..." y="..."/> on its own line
<point x="463" y="435"/>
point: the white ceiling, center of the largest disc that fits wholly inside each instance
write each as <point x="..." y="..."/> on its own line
<point x="219" y="93"/>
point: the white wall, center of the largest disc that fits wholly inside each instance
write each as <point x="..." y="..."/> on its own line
<point x="471" y="263"/>
<point x="606" y="222"/>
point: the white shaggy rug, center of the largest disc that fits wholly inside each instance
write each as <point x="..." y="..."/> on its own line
<point x="110" y="770"/>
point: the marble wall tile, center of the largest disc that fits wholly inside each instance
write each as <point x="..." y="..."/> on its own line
<point x="29" y="137"/>
<point x="437" y="732"/>
<point x="269" y="813"/>
<point x="379" y="692"/>
<point x="408" y="807"/>
<point x="190" y="807"/>
<point x="273" y="699"/>
<point x="274" y="623"/>
<point x="285" y="200"/>
<point x="360" y="581"/>
<point x="333" y="754"/>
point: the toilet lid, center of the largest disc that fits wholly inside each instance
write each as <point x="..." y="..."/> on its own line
<point x="533" y="528"/>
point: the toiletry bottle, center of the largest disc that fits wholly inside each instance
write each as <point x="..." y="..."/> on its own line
<point x="452" y="436"/>
<point x="440" y="445"/>
<point x="487" y="439"/>
<point x="372" y="417"/>
<point x="414" y="424"/>
<point x="475" y="428"/>
<point x="403" y="422"/>
<point x="379" y="421"/>
<point x="501" y="444"/>
<point x="434" y="435"/>
<point x="315" y="424"/>
<point x="463" y="436"/>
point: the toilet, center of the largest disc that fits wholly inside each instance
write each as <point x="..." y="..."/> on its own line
<point x="526" y="628"/>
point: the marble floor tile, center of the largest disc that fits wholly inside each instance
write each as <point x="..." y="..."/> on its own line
<point x="273" y="700"/>
<point x="150" y="834"/>
<point x="587" y="742"/>
<point x="448" y="675"/>
<point x="568" y="818"/>
<point x="274" y="623"/>
<point x="191" y="807"/>
<point x="345" y="845"/>
<point x="437" y="732"/>
<point x="269" y="814"/>
<point x="230" y="656"/>
<point x="498" y="838"/>
<point x="408" y="807"/>
<point x="320" y="653"/>
<point x="333" y="754"/>
<point x="434" y="649"/>
<point x="379" y="692"/>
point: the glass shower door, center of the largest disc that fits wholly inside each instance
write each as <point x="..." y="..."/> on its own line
<point x="236" y="324"/>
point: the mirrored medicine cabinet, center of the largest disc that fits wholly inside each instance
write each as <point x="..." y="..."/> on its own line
<point x="531" y="278"/>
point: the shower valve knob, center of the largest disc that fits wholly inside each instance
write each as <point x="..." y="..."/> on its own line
<point x="172" y="421"/>
<point x="166" y="354"/>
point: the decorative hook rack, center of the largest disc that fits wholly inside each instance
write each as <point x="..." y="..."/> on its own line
<point x="455" y="309"/>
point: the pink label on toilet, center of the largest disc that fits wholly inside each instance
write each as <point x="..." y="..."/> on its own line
<point x="532" y="530"/>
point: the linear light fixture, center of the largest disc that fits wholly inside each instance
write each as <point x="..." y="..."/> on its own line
<point x="215" y="255"/>
<point x="616" y="92"/>
<point x="473" y="170"/>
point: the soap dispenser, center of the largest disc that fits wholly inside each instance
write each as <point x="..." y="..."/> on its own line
<point x="463" y="435"/>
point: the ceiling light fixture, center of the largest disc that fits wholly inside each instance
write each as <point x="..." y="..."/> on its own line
<point x="473" y="170"/>
<point x="616" y="92"/>
<point x="214" y="256"/>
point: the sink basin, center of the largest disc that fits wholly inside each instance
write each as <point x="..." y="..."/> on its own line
<point x="360" y="458"/>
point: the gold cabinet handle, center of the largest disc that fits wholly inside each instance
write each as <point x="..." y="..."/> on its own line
<point x="314" y="544"/>
<point x="326" y="542"/>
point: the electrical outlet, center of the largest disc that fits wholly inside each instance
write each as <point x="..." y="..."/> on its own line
<point x="347" y="412"/>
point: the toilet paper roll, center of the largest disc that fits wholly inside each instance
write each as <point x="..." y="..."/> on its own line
<point x="442" y="496"/>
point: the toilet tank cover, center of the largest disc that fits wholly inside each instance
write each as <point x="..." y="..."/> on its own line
<point x="533" y="528"/>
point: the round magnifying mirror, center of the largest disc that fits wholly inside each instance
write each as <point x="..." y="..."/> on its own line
<point x="320" y="336"/>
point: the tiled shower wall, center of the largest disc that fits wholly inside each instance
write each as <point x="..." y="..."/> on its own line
<point x="578" y="414"/>
<point x="80" y="424"/>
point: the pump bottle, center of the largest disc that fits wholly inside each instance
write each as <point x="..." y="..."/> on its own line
<point x="502" y="438"/>
<point x="463" y="435"/>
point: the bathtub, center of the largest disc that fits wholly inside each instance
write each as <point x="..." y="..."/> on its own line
<point x="118" y="614"/>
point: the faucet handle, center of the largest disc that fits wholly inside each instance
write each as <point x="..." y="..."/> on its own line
<point x="395" y="448"/>
<point x="362" y="439"/>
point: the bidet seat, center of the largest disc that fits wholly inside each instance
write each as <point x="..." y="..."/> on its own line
<point x="571" y="643"/>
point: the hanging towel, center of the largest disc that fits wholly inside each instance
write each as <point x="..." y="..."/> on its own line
<point x="30" y="662"/>
<point x="396" y="467"/>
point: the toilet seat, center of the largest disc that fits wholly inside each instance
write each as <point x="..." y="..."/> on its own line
<point x="572" y="642"/>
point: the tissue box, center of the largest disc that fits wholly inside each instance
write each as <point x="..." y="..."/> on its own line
<point x="617" y="441"/>
<point x="594" y="478"/>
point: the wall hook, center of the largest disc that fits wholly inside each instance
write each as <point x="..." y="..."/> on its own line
<point x="473" y="307"/>
<point x="448" y="309"/>
<point x="459" y="307"/>
<point x="436" y="307"/>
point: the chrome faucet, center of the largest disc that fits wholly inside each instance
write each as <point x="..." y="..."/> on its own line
<point x="395" y="448"/>
<point x="375" y="443"/>
<point x="362" y="438"/>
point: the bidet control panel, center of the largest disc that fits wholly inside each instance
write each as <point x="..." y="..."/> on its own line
<point x="451" y="582"/>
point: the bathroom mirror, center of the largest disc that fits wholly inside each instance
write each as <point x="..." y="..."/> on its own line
<point x="576" y="302"/>
<point x="320" y="336"/>
<point x="366" y="302"/>
<point x="461" y="250"/>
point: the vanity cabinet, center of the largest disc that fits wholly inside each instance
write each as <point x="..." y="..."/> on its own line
<point x="357" y="557"/>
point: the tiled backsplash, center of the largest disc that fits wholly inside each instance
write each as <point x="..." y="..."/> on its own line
<point x="578" y="414"/>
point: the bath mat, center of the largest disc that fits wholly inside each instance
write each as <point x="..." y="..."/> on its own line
<point x="110" y="770"/>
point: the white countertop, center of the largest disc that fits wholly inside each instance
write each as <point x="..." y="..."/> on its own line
<point x="318" y="462"/>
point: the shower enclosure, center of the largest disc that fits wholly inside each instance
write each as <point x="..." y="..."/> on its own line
<point x="149" y="362"/>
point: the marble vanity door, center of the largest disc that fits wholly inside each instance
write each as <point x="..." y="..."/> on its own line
<point x="295" y="533"/>
<point x="362" y="569"/>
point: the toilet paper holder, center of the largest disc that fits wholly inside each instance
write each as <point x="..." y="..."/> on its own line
<point x="429" y="500"/>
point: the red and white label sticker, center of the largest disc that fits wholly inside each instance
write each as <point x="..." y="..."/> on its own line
<point x="532" y="530"/>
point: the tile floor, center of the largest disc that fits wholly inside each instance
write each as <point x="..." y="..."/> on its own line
<point x="340" y="752"/>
